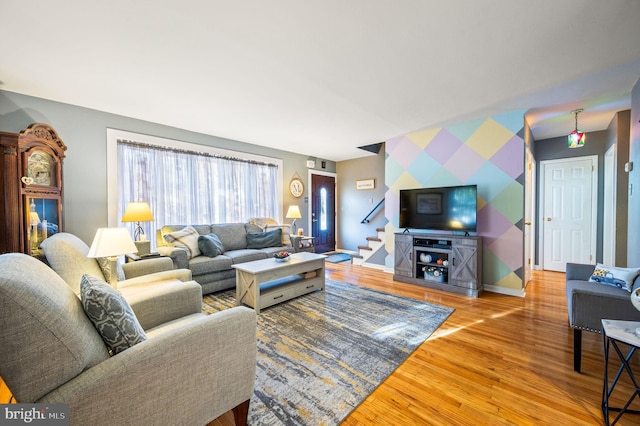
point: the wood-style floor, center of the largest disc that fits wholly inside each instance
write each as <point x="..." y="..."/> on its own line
<point x="497" y="360"/>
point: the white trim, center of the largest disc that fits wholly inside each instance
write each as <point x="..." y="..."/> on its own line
<point x="504" y="290"/>
<point x="112" y="163"/>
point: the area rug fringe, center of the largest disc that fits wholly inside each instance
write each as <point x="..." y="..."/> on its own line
<point x="321" y="355"/>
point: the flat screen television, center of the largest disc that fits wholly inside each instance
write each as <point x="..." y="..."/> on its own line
<point x="451" y="208"/>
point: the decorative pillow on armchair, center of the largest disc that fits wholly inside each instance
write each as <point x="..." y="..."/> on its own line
<point x="111" y="314"/>
<point x="614" y="276"/>
<point x="186" y="238"/>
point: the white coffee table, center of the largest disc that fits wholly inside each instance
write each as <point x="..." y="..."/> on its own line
<point x="263" y="283"/>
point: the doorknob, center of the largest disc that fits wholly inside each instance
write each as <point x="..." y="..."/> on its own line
<point x="527" y="223"/>
<point x="548" y="219"/>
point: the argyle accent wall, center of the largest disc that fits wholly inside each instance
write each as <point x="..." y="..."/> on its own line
<point x="488" y="153"/>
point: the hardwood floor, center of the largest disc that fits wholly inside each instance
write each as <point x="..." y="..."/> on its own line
<point x="497" y="360"/>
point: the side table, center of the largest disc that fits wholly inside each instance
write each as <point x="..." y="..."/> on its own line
<point x="615" y="332"/>
<point x="132" y="257"/>
<point x="306" y="244"/>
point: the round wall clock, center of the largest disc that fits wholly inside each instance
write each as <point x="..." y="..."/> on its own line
<point x="296" y="187"/>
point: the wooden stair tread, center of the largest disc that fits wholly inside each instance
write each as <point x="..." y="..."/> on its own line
<point x="365" y="248"/>
<point x="373" y="239"/>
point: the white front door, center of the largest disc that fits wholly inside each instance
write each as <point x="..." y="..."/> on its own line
<point x="569" y="211"/>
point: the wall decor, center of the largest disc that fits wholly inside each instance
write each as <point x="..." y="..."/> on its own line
<point x="366" y="184"/>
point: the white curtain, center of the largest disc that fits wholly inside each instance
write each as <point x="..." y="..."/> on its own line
<point x="188" y="187"/>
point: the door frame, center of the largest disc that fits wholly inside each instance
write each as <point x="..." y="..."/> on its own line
<point x="310" y="173"/>
<point x="594" y="202"/>
<point x="609" y="203"/>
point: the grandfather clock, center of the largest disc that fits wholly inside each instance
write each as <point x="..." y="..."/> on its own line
<point x="31" y="185"/>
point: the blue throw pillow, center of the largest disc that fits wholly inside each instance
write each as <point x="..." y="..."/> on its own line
<point x="210" y="245"/>
<point x="258" y="240"/>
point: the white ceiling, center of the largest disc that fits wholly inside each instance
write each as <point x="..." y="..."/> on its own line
<point x="322" y="78"/>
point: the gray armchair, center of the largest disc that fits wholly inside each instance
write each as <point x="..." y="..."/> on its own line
<point x="588" y="303"/>
<point x="188" y="371"/>
<point x="156" y="292"/>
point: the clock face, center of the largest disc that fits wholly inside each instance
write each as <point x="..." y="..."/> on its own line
<point x="40" y="167"/>
<point x="296" y="188"/>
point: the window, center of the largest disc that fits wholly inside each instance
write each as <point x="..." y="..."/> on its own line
<point x="185" y="186"/>
<point x="323" y="209"/>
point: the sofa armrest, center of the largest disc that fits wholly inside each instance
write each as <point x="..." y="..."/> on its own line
<point x="295" y="242"/>
<point x="191" y="374"/>
<point x="177" y="255"/>
<point x="579" y="271"/>
<point x="158" y="302"/>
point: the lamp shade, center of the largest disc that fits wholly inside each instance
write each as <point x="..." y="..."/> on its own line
<point x="110" y="242"/>
<point x="293" y="212"/>
<point x="137" y="212"/>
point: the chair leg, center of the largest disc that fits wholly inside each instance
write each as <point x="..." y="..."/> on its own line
<point x="577" y="349"/>
<point x="241" y="412"/>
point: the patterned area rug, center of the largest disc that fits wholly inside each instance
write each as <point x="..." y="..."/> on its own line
<point x="320" y="355"/>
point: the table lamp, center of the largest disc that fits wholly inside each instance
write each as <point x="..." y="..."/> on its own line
<point x="111" y="243"/>
<point x="293" y="213"/>
<point x="139" y="212"/>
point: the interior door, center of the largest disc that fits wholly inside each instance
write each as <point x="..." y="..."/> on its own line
<point x="323" y="212"/>
<point x="569" y="212"/>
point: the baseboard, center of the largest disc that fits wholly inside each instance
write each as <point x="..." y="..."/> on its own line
<point x="374" y="266"/>
<point x="506" y="291"/>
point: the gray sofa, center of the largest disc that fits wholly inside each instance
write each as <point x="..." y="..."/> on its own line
<point x="589" y="302"/>
<point x="216" y="273"/>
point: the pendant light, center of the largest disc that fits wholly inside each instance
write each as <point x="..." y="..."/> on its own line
<point x="576" y="138"/>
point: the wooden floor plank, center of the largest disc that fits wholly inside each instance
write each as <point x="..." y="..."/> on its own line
<point x="497" y="360"/>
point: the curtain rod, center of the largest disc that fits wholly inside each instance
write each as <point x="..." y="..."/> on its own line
<point x="192" y="152"/>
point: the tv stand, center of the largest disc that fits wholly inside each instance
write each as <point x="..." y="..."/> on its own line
<point x="444" y="262"/>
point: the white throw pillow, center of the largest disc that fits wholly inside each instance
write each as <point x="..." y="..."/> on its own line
<point x="186" y="238"/>
<point x="614" y="276"/>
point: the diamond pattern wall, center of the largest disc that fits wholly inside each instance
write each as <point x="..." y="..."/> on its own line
<point x="488" y="153"/>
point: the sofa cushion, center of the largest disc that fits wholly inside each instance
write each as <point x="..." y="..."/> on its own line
<point x="205" y="264"/>
<point x="258" y="240"/>
<point x="286" y="232"/>
<point x="246" y="255"/>
<point x="614" y="276"/>
<point x="67" y="255"/>
<point x="210" y="245"/>
<point x="111" y="314"/>
<point x="186" y="238"/>
<point x="232" y="235"/>
<point x="46" y="338"/>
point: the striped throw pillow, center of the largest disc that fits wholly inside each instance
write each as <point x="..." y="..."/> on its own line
<point x="186" y="238"/>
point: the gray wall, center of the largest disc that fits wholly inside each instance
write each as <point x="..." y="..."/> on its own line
<point x="618" y="133"/>
<point x="354" y="205"/>
<point x="633" y="245"/>
<point x="83" y="130"/>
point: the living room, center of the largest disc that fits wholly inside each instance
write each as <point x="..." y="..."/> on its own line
<point x="505" y="132"/>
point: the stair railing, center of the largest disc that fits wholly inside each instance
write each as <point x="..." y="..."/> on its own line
<point x="366" y="219"/>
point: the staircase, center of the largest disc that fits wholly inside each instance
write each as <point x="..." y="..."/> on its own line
<point x="373" y="244"/>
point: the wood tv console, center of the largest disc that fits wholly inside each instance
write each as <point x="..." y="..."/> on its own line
<point x="444" y="262"/>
